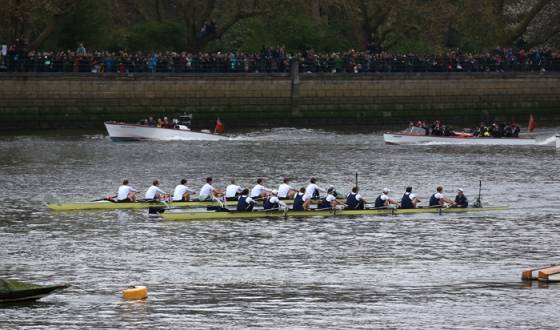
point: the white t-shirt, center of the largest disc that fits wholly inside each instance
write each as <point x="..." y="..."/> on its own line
<point x="232" y="190"/>
<point x="258" y="190"/>
<point x="358" y="197"/>
<point x="205" y="192"/>
<point x="330" y="198"/>
<point x="151" y="193"/>
<point x="123" y="192"/>
<point x="438" y="196"/>
<point x="180" y="190"/>
<point x="283" y="190"/>
<point x="275" y="199"/>
<point x="411" y="196"/>
<point x="310" y="189"/>
<point x="384" y="197"/>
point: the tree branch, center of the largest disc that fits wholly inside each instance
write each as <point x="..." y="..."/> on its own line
<point x="521" y="28"/>
<point x="539" y="41"/>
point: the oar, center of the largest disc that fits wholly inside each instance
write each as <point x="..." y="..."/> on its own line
<point x="478" y="202"/>
<point x="109" y="198"/>
<point x="381" y="207"/>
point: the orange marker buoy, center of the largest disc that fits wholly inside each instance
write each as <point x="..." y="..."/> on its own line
<point x="135" y="293"/>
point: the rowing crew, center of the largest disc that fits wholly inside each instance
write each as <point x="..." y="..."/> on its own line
<point x="273" y="198"/>
<point x="182" y="193"/>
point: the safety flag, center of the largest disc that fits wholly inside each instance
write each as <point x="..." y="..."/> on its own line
<point x="532" y="124"/>
<point x="219" y="129"/>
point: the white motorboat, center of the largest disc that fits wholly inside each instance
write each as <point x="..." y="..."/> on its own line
<point x="415" y="135"/>
<point x="180" y="131"/>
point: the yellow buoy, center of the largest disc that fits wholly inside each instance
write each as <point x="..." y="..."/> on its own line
<point x="135" y="293"/>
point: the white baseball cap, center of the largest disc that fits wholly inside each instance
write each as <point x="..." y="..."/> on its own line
<point x="460" y="189"/>
<point x="385" y="190"/>
<point x="274" y="192"/>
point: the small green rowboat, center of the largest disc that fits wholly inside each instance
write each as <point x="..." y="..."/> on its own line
<point x="239" y="215"/>
<point x="15" y="291"/>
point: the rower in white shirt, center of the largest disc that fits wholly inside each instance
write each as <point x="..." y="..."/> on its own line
<point x="182" y="193"/>
<point x="208" y="192"/>
<point x="272" y="202"/>
<point x="285" y="191"/>
<point x="311" y="190"/>
<point x="233" y="191"/>
<point x="155" y="193"/>
<point x="259" y="190"/>
<point x="126" y="193"/>
<point x="330" y="201"/>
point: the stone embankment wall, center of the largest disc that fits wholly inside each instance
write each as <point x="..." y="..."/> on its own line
<point x="261" y="100"/>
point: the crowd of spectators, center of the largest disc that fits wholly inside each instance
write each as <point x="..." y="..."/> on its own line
<point x="15" y="58"/>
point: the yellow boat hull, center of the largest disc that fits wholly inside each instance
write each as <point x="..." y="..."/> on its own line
<point x="235" y="215"/>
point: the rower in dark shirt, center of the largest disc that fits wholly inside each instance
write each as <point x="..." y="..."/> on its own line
<point x="354" y="200"/>
<point x="245" y="203"/>
<point x="409" y="200"/>
<point x="461" y="200"/>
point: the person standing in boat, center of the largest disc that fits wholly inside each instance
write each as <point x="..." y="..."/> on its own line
<point x="461" y="200"/>
<point x="312" y="190"/>
<point x="154" y="193"/>
<point x="409" y="200"/>
<point x="260" y="191"/>
<point x="208" y="192"/>
<point x="298" y="200"/>
<point x="383" y="200"/>
<point x="233" y="191"/>
<point x="438" y="199"/>
<point x="354" y="200"/>
<point x="182" y="193"/>
<point x="272" y="202"/>
<point x="285" y="191"/>
<point x="126" y="193"/>
<point x="244" y="202"/>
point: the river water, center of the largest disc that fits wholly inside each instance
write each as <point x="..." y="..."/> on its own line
<point x="410" y="271"/>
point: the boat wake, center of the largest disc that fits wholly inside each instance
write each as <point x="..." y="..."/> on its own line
<point x="549" y="140"/>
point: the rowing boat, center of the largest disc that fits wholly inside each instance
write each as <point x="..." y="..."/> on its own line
<point x="109" y="205"/>
<point x="238" y="215"/>
<point x="14" y="291"/>
<point x="417" y="136"/>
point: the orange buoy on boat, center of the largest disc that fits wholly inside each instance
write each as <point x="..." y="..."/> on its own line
<point x="533" y="273"/>
<point x="135" y="293"/>
<point x="551" y="274"/>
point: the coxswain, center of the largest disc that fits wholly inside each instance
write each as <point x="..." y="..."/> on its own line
<point x="233" y="191"/>
<point x="383" y="200"/>
<point x="182" y="193"/>
<point x="272" y="202"/>
<point x="461" y="200"/>
<point x="244" y="202"/>
<point x="126" y="193"/>
<point x="285" y="191"/>
<point x="155" y="193"/>
<point x="298" y="200"/>
<point x="208" y="192"/>
<point x="312" y="190"/>
<point x="354" y="200"/>
<point x="330" y="201"/>
<point x="409" y="200"/>
<point x="259" y="190"/>
<point x="438" y="199"/>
